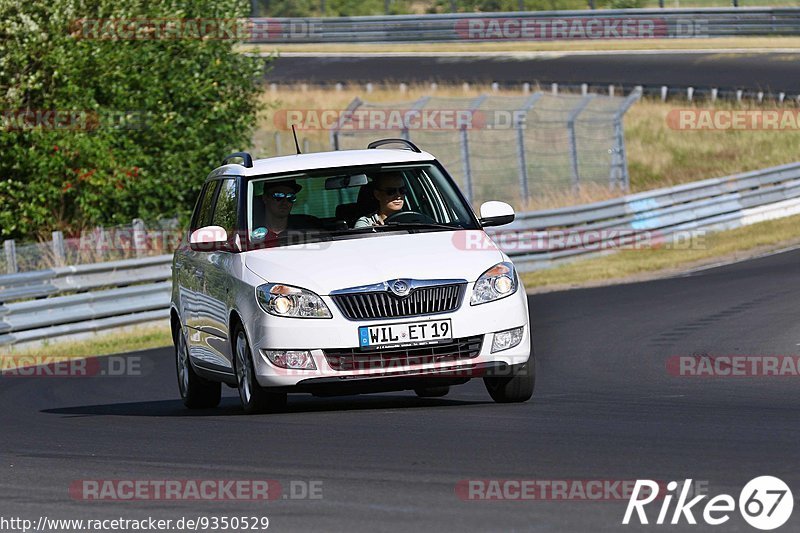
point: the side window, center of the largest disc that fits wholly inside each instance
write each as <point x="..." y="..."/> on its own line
<point x="225" y="210"/>
<point x="202" y="216"/>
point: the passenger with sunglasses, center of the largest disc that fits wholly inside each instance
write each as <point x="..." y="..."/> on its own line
<point x="389" y="190"/>
<point x="278" y="198"/>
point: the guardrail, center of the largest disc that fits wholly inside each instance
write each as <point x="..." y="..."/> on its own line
<point x="542" y="239"/>
<point x="44" y="304"/>
<point x="75" y="299"/>
<point x="531" y="25"/>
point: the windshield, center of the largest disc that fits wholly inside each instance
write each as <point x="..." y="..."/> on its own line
<point x="352" y="203"/>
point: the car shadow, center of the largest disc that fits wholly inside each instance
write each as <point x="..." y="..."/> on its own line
<point x="230" y="406"/>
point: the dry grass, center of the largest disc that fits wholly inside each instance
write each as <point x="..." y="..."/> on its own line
<point x="657" y="155"/>
<point x="539" y="46"/>
<point x="645" y="263"/>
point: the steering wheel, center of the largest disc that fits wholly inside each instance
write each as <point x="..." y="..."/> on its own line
<point x="409" y="217"/>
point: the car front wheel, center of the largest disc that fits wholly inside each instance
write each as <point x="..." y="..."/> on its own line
<point x="516" y="387"/>
<point x="196" y="392"/>
<point x="254" y="398"/>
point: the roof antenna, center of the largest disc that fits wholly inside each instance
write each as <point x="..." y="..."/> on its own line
<point x="296" y="144"/>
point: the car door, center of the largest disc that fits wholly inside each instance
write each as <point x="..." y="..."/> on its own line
<point x="212" y="316"/>
<point x="195" y="288"/>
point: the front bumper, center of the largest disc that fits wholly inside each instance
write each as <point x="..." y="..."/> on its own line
<point x="337" y="333"/>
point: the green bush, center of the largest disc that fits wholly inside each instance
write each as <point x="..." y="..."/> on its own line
<point x="184" y="103"/>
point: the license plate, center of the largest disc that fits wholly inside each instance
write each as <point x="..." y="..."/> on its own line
<point x="411" y="333"/>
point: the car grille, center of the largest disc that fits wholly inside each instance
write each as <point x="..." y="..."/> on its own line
<point x="349" y="359"/>
<point x="384" y="304"/>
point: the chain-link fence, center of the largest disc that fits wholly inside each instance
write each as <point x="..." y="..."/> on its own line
<point x="508" y="148"/>
<point x="101" y="244"/>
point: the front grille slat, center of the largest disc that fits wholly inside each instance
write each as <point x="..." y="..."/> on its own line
<point x="384" y="304"/>
<point x="349" y="359"/>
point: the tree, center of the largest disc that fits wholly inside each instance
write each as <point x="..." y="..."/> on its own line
<point x="134" y="124"/>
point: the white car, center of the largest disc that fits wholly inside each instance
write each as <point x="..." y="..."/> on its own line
<point x="345" y="272"/>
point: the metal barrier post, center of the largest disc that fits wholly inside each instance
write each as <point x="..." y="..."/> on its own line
<point x="59" y="254"/>
<point x="11" y="256"/>
<point x="139" y="237"/>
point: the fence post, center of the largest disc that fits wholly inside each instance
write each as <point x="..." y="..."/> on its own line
<point x="11" y="256"/>
<point x="465" y="150"/>
<point x="343" y="119"/>
<point x="306" y="146"/>
<point x="591" y="4"/>
<point x="520" y="123"/>
<point x="139" y="236"/>
<point x="419" y="104"/>
<point x="619" y="159"/>
<point x="573" y="142"/>
<point x="58" y="248"/>
<point x="277" y="143"/>
<point x="465" y="162"/>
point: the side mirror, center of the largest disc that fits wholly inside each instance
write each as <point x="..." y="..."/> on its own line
<point x="496" y="214"/>
<point x="209" y="239"/>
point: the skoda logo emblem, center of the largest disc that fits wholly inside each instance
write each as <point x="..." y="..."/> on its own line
<point x="400" y="287"/>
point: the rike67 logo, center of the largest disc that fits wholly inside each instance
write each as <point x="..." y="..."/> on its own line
<point x="765" y="503"/>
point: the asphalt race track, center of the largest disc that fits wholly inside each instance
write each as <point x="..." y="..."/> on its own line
<point x="775" y="72"/>
<point x="605" y="409"/>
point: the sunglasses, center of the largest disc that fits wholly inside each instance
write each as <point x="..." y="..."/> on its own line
<point x="288" y="196"/>
<point x="393" y="191"/>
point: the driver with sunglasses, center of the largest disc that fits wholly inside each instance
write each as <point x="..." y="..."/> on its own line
<point x="279" y="198"/>
<point x="389" y="190"/>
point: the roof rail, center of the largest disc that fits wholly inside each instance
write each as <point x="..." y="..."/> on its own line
<point x="409" y="145"/>
<point x="247" y="159"/>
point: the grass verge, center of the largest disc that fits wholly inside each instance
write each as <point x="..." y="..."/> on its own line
<point x="102" y="343"/>
<point x="650" y="263"/>
<point x="766" y="43"/>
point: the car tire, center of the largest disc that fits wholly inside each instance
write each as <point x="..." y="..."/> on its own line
<point x="253" y="397"/>
<point x="433" y="392"/>
<point x="196" y="392"/>
<point x="518" y="387"/>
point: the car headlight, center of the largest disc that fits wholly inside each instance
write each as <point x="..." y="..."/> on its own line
<point x="284" y="300"/>
<point x="497" y="282"/>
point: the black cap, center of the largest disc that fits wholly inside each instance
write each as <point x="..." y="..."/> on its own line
<point x="292" y="184"/>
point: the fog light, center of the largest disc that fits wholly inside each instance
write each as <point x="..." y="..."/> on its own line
<point x="294" y="359"/>
<point x="503" y="340"/>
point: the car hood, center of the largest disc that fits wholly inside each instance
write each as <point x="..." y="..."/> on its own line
<point x="327" y="266"/>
